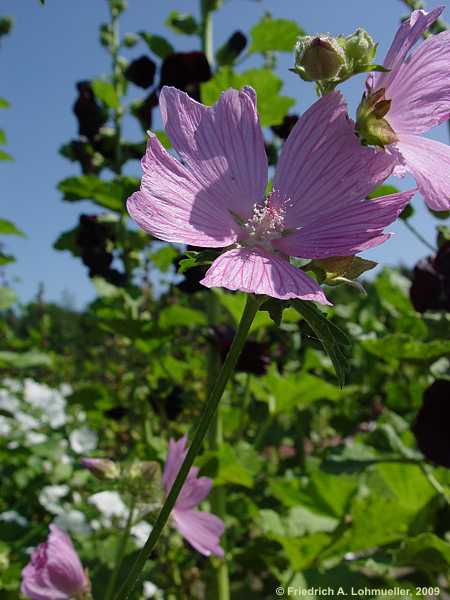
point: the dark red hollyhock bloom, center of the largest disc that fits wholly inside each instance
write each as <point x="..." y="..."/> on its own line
<point x="92" y="239"/>
<point x="185" y="71"/>
<point x="143" y="110"/>
<point x="284" y="129"/>
<point x="431" y="427"/>
<point x="91" y="116"/>
<point x="430" y="289"/>
<point x="228" y="53"/>
<point x="255" y="357"/>
<point x="141" y="72"/>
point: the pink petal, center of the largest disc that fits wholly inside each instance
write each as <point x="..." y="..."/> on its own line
<point x="407" y="35"/>
<point x="323" y="165"/>
<point x="222" y="146"/>
<point x="175" y="457"/>
<point x="195" y="490"/>
<point x="256" y="271"/>
<point x="201" y="529"/>
<point x="173" y="206"/>
<point x="345" y="229"/>
<point x="429" y="163"/>
<point x="64" y="568"/>
<point x="420" y="89"/>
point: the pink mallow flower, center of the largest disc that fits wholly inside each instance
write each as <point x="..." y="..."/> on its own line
<point x="417" y="87"/>
<point x="55" y="571"/>
<point x="201" y="529"/>
<point x="216" y="196"/>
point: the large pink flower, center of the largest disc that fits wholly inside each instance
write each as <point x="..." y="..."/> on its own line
<point x="201" y="529"/>
<point x="55" y="571"/>
<point x="418" y="87"/>
<point x="216" y="196"/>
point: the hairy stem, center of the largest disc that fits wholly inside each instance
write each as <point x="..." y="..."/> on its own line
<point x="250" y="310"/>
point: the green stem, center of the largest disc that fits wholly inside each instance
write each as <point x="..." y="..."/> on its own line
<point x="419" y="236"/>
<point x="215" y="437"/>
<point x="251" y="308"/>
<point x="121" y="547"/>
<point x="206" y="29"/>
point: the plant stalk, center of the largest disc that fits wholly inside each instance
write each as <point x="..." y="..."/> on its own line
<point x="121" y="547"/>
<point x="250" y="310"/>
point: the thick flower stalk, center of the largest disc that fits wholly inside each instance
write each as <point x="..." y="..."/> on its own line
<point x="55" y="571"/>
<point x="216" y="197"/>
<point x="201" y="529"/>
<point x="408" y="100"/>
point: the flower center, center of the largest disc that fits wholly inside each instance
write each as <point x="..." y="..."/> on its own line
<point x="267" y="221"/>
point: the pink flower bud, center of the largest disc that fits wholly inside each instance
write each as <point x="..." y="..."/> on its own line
<point x="102" y="468"/>
<point x="54" y="571"/>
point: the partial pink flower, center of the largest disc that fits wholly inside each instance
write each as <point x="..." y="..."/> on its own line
<point x="201" y="529"/>
<point x="54" y="571"/>
<point x="418" y="87"/>
<point x="216" y="196"/>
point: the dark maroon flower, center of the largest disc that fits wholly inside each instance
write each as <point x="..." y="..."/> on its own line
<point x="185" y="71"/>
<point x="284" y="129"/>
<point x="255" y="357"/>
<point x="430" y="289"/>
<point x="228" y="53"/>
<point x="141" y="72"/>
<point x="431" y="424"/>
<point x="91" y="116"/>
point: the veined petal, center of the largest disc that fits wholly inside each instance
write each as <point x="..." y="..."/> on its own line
<point x="323" y="164"/>
<point x="173" y="206"/>
<point x="222" y="146"/>
<point x="201" y="529"/>
<point x="429" y="163"/>
<point x="407" y="35"/>
<point x="256" y="271"/>
<point x="345" y="229"/>
<point x="420" y="89"/>
<point x="194" y="491"/>
<point x="175" y="457"/>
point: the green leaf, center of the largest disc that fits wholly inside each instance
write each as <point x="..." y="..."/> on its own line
<point x="180" y="316"/>
<point x="272" y="107"/>
<point x="8" y="228"/>
<point x="3" y="139"/>
<point x="24" y="360"/>
<point x="182" y="23"/>
<point x="427" y="552"/>
<point x="336" y="343"/>
<point x="157" y="44"/>
<point x="7" y="298"/>
<point x="234" y="304"/>
<point x="68" y="241"/>
<point x="164" y="139"/>
<point x="238" y="465"/>
<point x="196" y="259"/>
<point x="108" y="194"/>
<point x="163" y="258"/>
<point x="106" y="93"/>
<point x="383" y="190"/>
<point x="5" y="156"/>
<point x="4" y="103"/>
<point x="278" y="35"/>
<point x="6" y="259"/>
<point x="368" y="68"/>
<point x="402" y="346"/>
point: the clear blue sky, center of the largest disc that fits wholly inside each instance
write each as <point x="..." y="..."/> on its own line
<point x="54" y="46"/>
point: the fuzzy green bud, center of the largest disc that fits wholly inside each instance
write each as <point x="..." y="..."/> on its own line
<point x="359" y="48"/>
<point x="318" y="58"/>
<point x="101" y="468"/>
<point x="371" y="126"/>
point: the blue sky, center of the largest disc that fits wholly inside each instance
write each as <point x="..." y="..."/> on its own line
<point x="53" y="47"/>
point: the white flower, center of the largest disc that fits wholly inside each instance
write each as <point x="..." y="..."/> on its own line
<point x="33" y="437"/>
<point x="141" y="531"/>
<point x="50" y="498"/>
<point x="110" y="504"/>
<point x="5" y="426"/>
<point x="83" y="441"/>
<point x="49" y="401"/>
<point x="11" y="516"/>
<point x="151" y="591"/>
<point x="73" y="521"/>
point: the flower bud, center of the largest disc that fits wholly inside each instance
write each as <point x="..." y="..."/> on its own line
<point x="359" y="48"/>
<point x="318" y="58"/>
<point x="371" y="126"/>
<point x="101" y="468"/>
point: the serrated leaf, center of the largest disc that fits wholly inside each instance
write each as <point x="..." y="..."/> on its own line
<point x="9" y="228"/>
<point x="182" y="23"/>
<point x="278" y="35"/>
<point x="272" y="107"/>
<point x="106" y="93"/>
<point x="336" y="343"/>
<point x="157" y="44"/>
